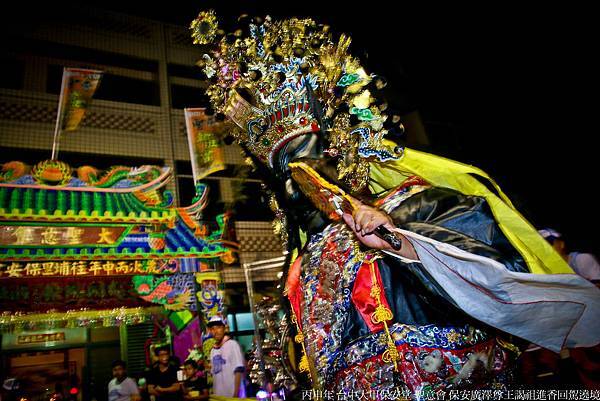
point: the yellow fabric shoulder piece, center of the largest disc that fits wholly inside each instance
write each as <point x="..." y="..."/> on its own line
<point x="540" y="257"/>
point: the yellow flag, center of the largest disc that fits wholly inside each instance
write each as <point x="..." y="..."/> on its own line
<point x="206" y="153"/>
<point x="77" y="90"/>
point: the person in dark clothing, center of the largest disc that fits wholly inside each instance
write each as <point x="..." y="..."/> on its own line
<point x="195" y="388"/>
<point x="162" y="380"/>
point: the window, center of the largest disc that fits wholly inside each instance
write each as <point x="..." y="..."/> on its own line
<point x="129" y="90"/>
<point x="244" y="321"/>
<point x="12" y="76"/>
<point x="84" y="55"/>
<point x="184" y="71"/>
<point x="231" y="322"/>
<point x="245" y="341"/>
<point x="241" y="326"/>
<point x="186" y="96"/>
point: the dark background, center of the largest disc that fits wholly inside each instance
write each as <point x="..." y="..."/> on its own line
<point x="503" y="87"/>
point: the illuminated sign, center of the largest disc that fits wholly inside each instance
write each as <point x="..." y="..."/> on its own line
<point x="88" y="268"/>
<point x="40" y="338"/>
<point x="24" y="235"/>
<point x="46" y="338"/>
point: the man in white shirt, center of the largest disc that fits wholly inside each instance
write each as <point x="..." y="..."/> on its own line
<point x="227" y="362"/>
<point x="121" y="387"/>
<point x="584" y="264"/>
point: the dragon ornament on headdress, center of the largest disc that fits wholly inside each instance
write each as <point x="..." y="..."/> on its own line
<point x="281" y="80"/>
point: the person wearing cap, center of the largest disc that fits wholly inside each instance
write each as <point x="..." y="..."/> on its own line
<point x="227" y="361"/>
<point x="584" y="264"/>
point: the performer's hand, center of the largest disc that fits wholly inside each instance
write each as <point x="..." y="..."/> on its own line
<point x="364" y="221"/>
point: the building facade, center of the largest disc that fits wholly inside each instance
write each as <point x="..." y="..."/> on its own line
<point x="136" y="118"/>
<point x="136" y="115"/>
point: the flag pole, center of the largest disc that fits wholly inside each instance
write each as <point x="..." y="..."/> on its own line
<point x="59" y="117"/>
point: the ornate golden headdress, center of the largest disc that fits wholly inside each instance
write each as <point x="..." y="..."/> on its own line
<point x="278" y="80"/>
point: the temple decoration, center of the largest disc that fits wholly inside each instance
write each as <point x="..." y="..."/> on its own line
<point x="106" y="233"/>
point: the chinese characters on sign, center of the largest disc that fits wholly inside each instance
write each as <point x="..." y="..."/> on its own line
<point x="88" y="268"/>
<point x="60" y="235"/>
<point x="40" y="338"/>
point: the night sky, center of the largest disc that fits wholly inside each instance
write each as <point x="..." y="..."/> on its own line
<point x="505" y="88"/>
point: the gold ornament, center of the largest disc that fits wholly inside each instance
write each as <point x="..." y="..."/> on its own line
<point x="51" y="172"/>
<point x="268" y="84"/>
<point x="303" y="366"/>
<point x="382" y="314"/>
<point x="204" y="27"/>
